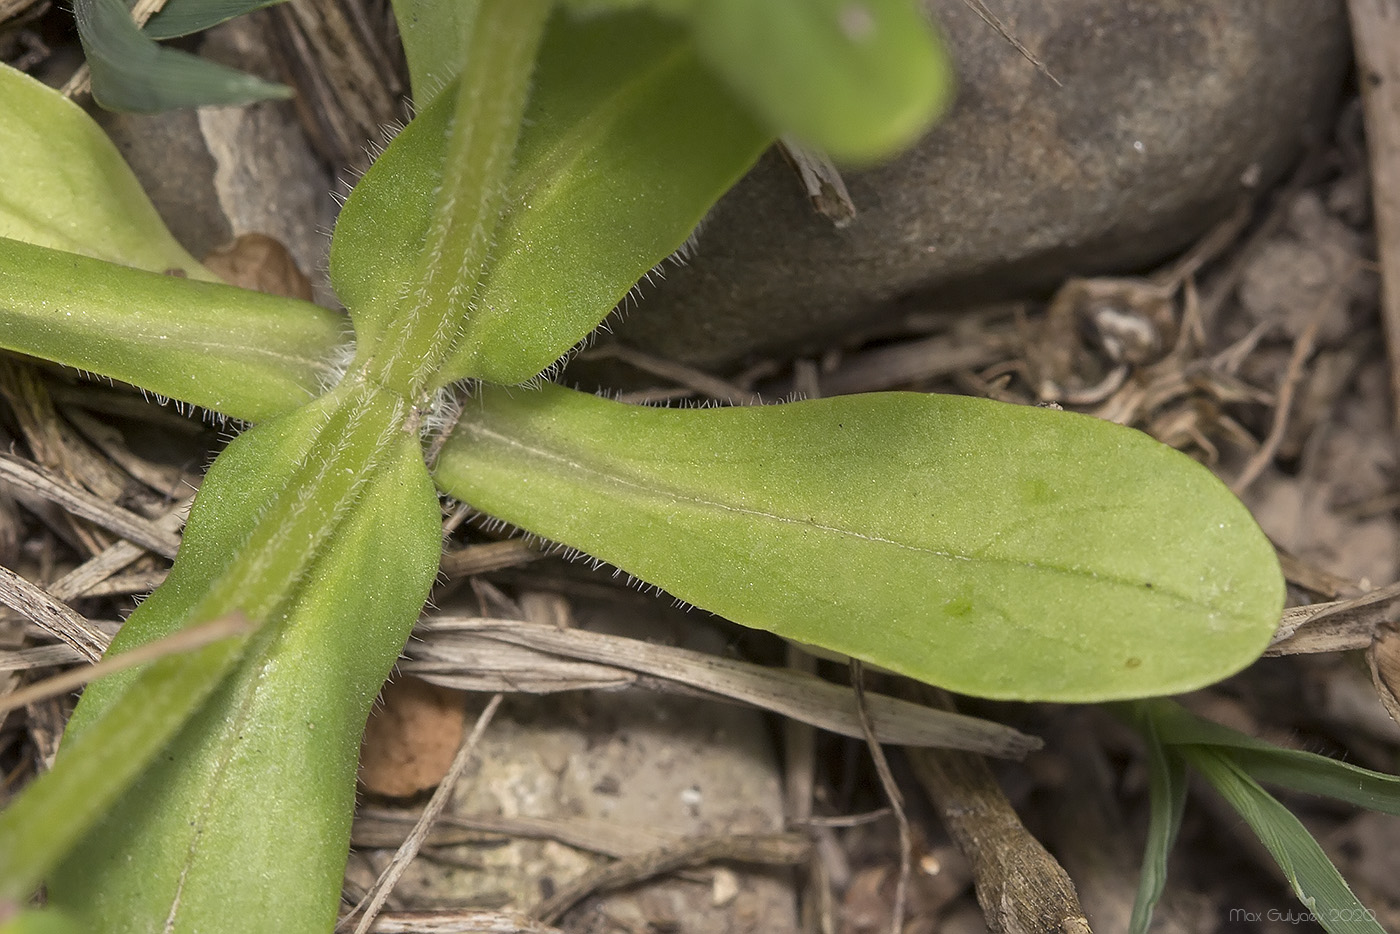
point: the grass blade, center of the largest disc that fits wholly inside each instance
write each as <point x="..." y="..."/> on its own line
<point x="1314" y="879"/>
<point x="1167" y="798"/>
<point x="131" y="72"/>
<point x="1265" y="762"/>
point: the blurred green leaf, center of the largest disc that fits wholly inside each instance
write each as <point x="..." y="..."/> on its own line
<point x="130" y="72"/>
<point x="859" y="80"/>
<point x="1167" y="802"/>
<point x="1314" y="879"/>
<point x="183" y="17"/>
<point x="996" y="550"/>
<point x="64" y="185"/>
<point x="324" y="524"/>
<point x="628" y="141"/>
<point x="1289" y="768"/>
<point x="242" y="353"/>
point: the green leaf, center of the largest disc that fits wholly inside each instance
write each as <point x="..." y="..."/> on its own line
<point x="131" y="72"/>
<point x="183" y="17"/>
<point x="628" y="142"/>
<point x="325" y="524"/>
<point x="996" y="550"/>
<point x="1314" y="879"/>
<point x="55" y="810"/>
<point x="432" y="32"/>
<point x="381" y="229"/>
<point x="860" y="80"/>
<point x="64" y="185"/>
<point x="1288" y="768"/>
<point x="1167" y="800"/>
<point x="242" y="353"/>
<point x="409" y="315"/>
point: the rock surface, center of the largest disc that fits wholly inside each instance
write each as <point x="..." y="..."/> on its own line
<point x="220" y="172"/>
<point x="1168" y="113"/>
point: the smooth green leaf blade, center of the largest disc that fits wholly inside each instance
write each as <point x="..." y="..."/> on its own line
<point x="242" y="353"/>
<point x="54" y="811"/>
<point x="247" y="815"/>
<point x="996" y="550"/>
<point x="130" y="72"/>
<point x="1289" y="768"/>
<point x="1167" y="803"/>
<point x="860" y="80"/>
<point x="183" y="17"/>
<point x="629" y="140"/>
<point x="1319" y="775"/>
<point x="64" y="185"/>
<point x="432" y="32"/>
<point x="1314" y="879"/>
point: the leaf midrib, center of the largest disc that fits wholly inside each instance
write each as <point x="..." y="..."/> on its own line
<point x="608" y="478"/>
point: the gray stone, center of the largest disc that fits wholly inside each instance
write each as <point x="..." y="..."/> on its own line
<point x="1170" y="111"/>
<point x="219" y="172"/>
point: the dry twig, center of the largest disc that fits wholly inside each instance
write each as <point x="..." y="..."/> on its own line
<point x="887" y="782"/>
<point x="384" y="885"/>
<point x="130" y="526"/>
<point x="53" y="616"/>
<point x="691" y="378"/>
<point x="1375" y="30"/>
<point x="1020" y="886"/>
<point x="773" y="849"/>
<point x="185" y="640"/>
<point x="1339" y="626"/>
<point x="790" y="693"/>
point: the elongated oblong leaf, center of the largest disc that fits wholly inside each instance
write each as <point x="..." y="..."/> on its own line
<point x="64" y="185"/>
<point x="408" y="320"/>
<point x="245" y="819"/>
<point x="996" y="550"/>
<point x="183" y="17"/>
<point x="242" y="353"/>
<point x="61" y="805"/>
